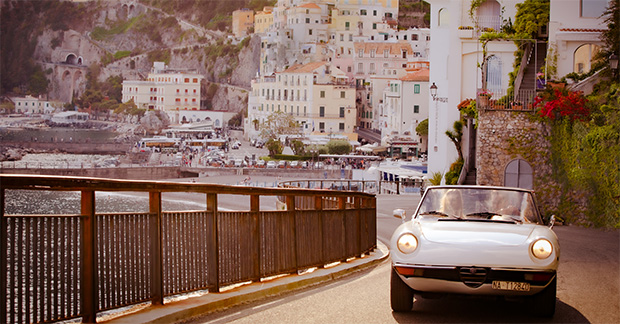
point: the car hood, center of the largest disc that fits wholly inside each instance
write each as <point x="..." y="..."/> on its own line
<point x="464" y="232"/>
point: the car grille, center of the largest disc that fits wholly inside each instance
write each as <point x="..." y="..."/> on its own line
<point x="472" y="276"/>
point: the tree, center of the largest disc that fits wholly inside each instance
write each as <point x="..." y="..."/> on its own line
<point x="278" y="123"/>
<point x="274" y="146"/>
<point x="297" y="146"/>
<point x="456" y="137"/>
<point x="339" y="147"/>
<point x="611" y="35"/>
<point x="422" y="128"/>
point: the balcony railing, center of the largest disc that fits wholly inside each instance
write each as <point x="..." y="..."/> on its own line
<point x="501" y="100"/>
<point x="59" y="267"/>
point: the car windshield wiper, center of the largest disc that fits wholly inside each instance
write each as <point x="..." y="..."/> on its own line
<point x="488" y="217"/>
<point x="436" y="212"/>
<point x="484" y="214"/>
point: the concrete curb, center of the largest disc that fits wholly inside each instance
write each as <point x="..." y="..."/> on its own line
<point x="194" y="306"/>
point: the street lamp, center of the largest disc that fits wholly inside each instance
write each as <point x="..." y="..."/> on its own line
<point x="434" y="94"/>
<point x="613" y="63"/>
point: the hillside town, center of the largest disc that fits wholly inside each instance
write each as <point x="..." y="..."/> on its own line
<point x="447" y="95"/>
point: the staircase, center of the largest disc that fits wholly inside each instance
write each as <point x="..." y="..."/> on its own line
<point x="535" y="59"/>
<point x="470" y="179"/>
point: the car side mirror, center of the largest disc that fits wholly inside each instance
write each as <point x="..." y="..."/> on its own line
<point x="399" y="213"/>
<point x="551" y="221"/>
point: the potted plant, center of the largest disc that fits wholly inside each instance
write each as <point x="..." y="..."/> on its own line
<point x="484" y="96"/>
<point x="466" y="32"/>
<point x="516" y="105"/>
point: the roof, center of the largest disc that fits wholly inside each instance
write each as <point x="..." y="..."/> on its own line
<point x="418" y="75"/>
<point x="583" y="30"/>
<point x="309" y="6"/>
<point x="304" y="68"/>
<point x="394" y="48"/>
<point x="464" y="103"/>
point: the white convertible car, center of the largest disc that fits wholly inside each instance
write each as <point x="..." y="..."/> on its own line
<point x="475" y="240"/>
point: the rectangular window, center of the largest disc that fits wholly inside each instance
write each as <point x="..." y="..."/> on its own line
<point x="360" y="67"/>
<point x="343" y="94"/>
<point x="322" y="127"/>
<point x="416" y="109"/>
<point x="322" y="94"/>
<point x="414" y="37"/>
<point x="372" y="52"/>
<point x="360" y="53"/>
<point x="307" y="20"/>
<point x="341" y="127"/>
<point x="374" y="26"/>
<point x="416" y="88"/>
<point x="341" y="112"/>
<point x="363" y="12"/>
<point x="593" y="8"/>
<point x="195" y="80"/>
<point x="386" y="53"/>
<point x="309" y="31"/>
<point x="186" y="80"/>
<point x="321" y="111"/>
<point x="347" y="25"/>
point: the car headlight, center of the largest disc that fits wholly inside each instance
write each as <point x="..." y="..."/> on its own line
<point x="542" y="249"/>
<point x="407" y="243"/>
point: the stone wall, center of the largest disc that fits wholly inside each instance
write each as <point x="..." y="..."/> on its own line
<point x="508" y="135"/>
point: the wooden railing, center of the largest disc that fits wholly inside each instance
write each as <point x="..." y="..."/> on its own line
<point x="58" y="267"/>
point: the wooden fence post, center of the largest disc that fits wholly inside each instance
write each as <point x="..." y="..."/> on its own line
<point x="3" y="256"/>
<point x="292" y="213"/>
<point x="256" y="235"/>
<point x="155" y="225"/>
<point x="213" y="260"/>
<point x="88" y="283"/>
<point x="342" y="206"/>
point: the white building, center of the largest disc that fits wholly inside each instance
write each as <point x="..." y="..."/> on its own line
<point x="165" y="89"/>
<point x="574" y="34"/>
<point x="317" y="95"/>
<point x="32" y="105"/>
<point x="454" y="60"/>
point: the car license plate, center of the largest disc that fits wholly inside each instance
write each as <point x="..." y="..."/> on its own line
<point x="511" y="285"/>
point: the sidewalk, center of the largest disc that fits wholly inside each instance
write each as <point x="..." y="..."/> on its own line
<point x="212" y="302"/>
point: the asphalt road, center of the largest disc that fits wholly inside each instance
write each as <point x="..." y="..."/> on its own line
<point x="588" y="289"/>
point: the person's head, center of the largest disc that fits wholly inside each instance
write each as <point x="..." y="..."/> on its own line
<point x="452" y="203"/>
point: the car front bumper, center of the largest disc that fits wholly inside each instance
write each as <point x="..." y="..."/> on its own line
<point x="471" y="280"/>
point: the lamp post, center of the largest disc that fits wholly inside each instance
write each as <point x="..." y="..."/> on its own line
<point x="613" y="64"/>
<point x="434" y="94"/>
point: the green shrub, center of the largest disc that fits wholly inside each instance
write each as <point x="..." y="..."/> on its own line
<point x="452" y="176"/>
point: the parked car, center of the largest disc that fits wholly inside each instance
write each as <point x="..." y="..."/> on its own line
<point x="319" y="165"/>
<point x="282" y="164"/>
<point x="475" y="240"/>
<point x="271" y="165"/>
<point x="260" y="163"/>
<point x="294" y="164"/>
<point x="304" y="164"/>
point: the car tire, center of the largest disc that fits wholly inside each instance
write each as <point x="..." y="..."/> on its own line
<point x="543" y="303"/>
<point x="401" y="295"/>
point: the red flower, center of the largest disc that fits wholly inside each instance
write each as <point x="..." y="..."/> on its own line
<point x="563" y="104"/>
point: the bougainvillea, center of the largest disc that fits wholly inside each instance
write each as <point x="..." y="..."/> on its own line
<point x="559" y="104"/>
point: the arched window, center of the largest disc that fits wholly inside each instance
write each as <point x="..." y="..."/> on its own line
<point x="489" y="15"/>
<point x="444" y="17"/>
<point x="519" y="174"/>
<point x="583" y="57"/>
<point x="494" y="74"/>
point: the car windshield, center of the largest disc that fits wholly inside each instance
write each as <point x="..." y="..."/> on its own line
<point x="479" y="204"/>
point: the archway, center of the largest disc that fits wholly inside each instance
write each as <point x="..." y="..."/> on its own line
<point x="493" y="68"/>
<point x="489" y="14"/>
<point x="71" y="59"/>
<point x="583" y="57"/>
<point x="519" y="174"/>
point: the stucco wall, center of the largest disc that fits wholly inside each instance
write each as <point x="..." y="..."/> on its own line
<point x="504" y="136"/>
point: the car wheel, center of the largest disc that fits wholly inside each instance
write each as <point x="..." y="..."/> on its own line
<point x="543" y="303"/>
<point x="401" y="295"/>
